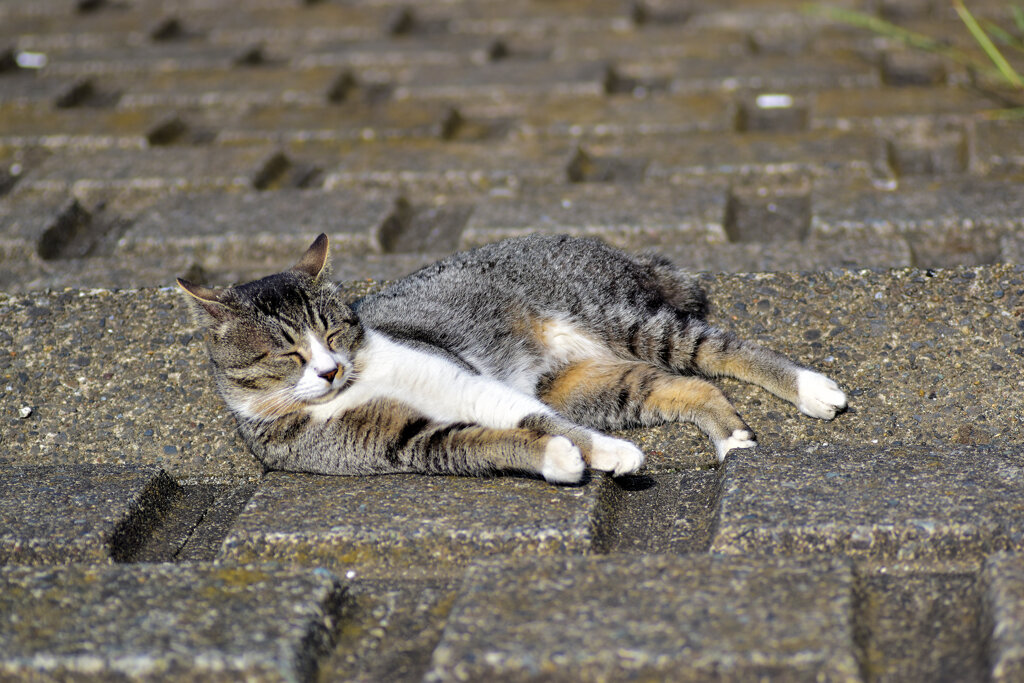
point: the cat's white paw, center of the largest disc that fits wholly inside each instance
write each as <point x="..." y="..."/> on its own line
<point x="741" y="438"/>
<point x="818" y="396"/>
<point x="615" y="455"/>
<point x="563" y="463"/>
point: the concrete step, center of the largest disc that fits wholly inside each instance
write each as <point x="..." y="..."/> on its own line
<point x="927" y="357"/>
<point x="159" y="622"/>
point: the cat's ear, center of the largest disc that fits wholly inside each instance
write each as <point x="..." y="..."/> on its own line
<point x="210" y="300"/>
<point x="314" y="261"/>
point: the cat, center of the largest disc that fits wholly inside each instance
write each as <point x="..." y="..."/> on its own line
<point x="514" y="356"/>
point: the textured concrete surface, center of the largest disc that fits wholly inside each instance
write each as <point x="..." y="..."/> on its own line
<point x="903" y="508"/>
<point x="848" y="201"/>
<point x="410" y="525"/>
<point x="686" y="618"/>
<point x="79" y="513"/>
<point x="165" y="622"/>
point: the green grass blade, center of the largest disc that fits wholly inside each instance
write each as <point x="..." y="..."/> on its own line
<point x="1018" y="17"/>
<point x="987" y="45"/>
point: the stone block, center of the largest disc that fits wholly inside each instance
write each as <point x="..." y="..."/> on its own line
<point x="923" y="150"/>
<point x="809" y="254"/>
<point x="131" y="61"/>
<point x="31" y="89"/>
<point x="777" y="112"/>
<point x="162" y="168"/>
<point x="688" y="618"/>
<point x="1003" y="604"/>
<point x="998" y="147"/>
<point x="410" y="525"/>
<point x="434" y="166"/>
<point x="166" y="622"/>
<point x="600" y="116"/>
<point x="113" y="378"/>
<point x="628" y="216"/>
<point x="846" y="108"/>
<point x="505" y="79"/>
<point x="768" y="210"/>
<point x="228" y="87"/>
<point x="926" y="357"/>
<point x="411" y="119"/>
<point x="772" y="73"/>
<point x="900" y="508"/>
<point x="920" y="627"/>
<point x="44" y="126"/>
<point x="79" y="513"/>
<point x="524" y="17"/>
<point x="907" y="67"/>
<point x="292" y="28"/>
<point x="30" y="225"/>
<point x="268" y="230"/>
<point x="815" y="154"/>
<point x="391" y="628"/>
<point x="948" y="223"/>
<point x="661" y="513"/>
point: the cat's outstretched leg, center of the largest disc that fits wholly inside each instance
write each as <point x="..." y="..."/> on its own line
<point x="675" y="340"/>
<point x="616" y="394"/>
<point x="721" y="353"/>
<point x="388" y="436"/>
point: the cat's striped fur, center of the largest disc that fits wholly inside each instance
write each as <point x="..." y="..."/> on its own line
<point x="507" y="357"/>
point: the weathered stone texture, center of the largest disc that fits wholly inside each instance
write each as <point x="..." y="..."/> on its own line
<point x="903" y="509"/>
<point x="410" y="525"/>
<point x="689" y="618"/>
<point x="165" y="622"/>
<point x="79" y="513"/>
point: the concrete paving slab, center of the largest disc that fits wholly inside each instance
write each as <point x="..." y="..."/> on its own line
<point x="773" y="73"/>
<point x="674" y="159"/>
<point x="114" y="377"/>
<point x="1003" y="585"/>
<point x="410" y="526"/>
<point x="600" y="116"/>
<point x="166" y="622"/>
<point x="998" y="147"/>
<point x="181" y="168"/>
<point x="911" y="508"/>
<point x="44" y="126"/>
<point x="353" y="121"/>
<point x="233" y="86"/>
<point x="628" y="216"/>
<point x="430" y="165"/>
<point x="662" y="513"/>
<point x="688" y="618"/>
<point x="267" y="230"/>
<point x="926" y="357"/>
<point x="505" y="79"/>
<point x="896" y="615"/>
<point x="390" y="630"/>
<point x="79" y="513"/>
<point x="844" y="108"/>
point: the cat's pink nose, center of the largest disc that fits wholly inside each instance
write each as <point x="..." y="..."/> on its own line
<point x="329" y="375"/>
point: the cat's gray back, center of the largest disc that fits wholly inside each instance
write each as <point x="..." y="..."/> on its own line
<point x="484" y="302"/>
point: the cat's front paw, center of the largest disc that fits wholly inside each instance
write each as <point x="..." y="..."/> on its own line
<point x="741" y="438"/>
<point x="615" y="455"/>
<point x="818" y="396"/>
<point x="563" y="463"/>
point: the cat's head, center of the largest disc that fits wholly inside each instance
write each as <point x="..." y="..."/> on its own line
<point x="281" y="343"/>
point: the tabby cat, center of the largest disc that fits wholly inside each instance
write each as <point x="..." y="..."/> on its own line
<point x="509" y="357"/>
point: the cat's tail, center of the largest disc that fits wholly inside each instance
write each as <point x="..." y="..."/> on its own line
<point x="679" y="287"/>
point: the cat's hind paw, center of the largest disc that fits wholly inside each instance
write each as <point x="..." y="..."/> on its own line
<point x="615" y="455"/>
<point x="741" y="438"/>
<point x="818" y="396"/>
<point x="563" y="463"/>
